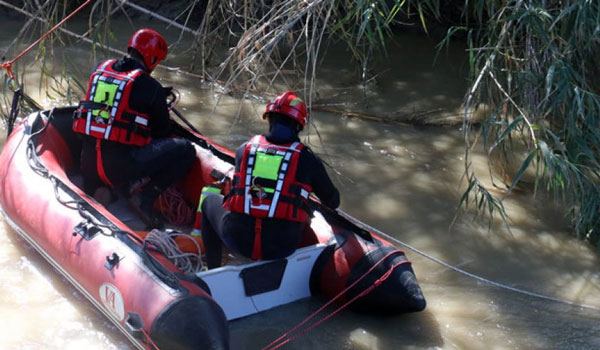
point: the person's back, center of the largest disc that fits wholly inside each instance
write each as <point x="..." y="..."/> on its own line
<point x="126" y="120"/>
<point x="266" y="209"/>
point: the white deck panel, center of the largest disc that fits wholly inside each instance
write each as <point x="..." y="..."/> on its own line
<point x="227" y="287"/>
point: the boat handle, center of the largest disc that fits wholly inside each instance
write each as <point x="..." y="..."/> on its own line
<point x="112" y="261"/>
<point x="134" y="325"/>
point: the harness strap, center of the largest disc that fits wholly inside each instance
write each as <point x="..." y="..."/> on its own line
<point x="100" y="166"/>
<point x="282" y="198"/>
<point x="93" y="105"/>
<point x="257" y="249"/>
<point x="131" y="128"/>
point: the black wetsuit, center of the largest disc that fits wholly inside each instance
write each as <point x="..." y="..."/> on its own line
<point x="164" y="160"/>
<point x="280" y="238"/>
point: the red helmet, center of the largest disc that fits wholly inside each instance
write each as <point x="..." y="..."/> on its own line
<point x="290" y="105"/>
<point x="151" y="45"/>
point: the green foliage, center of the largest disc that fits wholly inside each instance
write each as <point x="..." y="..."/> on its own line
<point x="367" y="23"/>
<point x="485" y="203"/>
<point x="291" y="32"/>
<point x="256" y="36"/>
<point x="57" y="72"/>
<point x="535" y="63"/>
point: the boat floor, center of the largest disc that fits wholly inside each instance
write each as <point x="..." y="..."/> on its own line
<point x="121" y="209"/>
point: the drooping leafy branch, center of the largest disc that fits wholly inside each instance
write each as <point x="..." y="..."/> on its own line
<point x="535" y="66"/>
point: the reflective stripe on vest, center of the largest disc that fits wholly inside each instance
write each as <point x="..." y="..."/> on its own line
<point x="257" y="168"/>
<point x="266" y="186"/>
<point x="105" y="112"/>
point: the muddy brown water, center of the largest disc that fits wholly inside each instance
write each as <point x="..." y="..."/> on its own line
<point x="404" y="181"/>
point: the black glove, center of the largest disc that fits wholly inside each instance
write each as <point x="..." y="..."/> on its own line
<point x="169" y="95"/>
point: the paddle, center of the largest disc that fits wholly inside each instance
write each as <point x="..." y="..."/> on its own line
<point x="181" y="131"/>
<point x="18" y="96"/>
<point x="185" y="121"/>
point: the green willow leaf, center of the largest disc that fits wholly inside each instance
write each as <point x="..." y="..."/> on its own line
<point x="522" y="169"/>
<point x="505" y="134"/>
<point x="547" y="155"/>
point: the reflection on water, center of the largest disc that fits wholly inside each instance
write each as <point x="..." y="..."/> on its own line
<point x="403" y="180"/>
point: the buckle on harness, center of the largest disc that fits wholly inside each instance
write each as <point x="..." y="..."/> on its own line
<point x="85" y="106"/>
<point x="257" y="192"/>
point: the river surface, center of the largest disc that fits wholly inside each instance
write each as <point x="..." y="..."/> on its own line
<point x="403" y="180"/>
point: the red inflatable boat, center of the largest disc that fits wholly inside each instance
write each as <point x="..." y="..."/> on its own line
<point x="144" y="293"/>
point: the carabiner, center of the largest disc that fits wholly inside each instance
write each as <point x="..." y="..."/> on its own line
<point x="12" y="84"/>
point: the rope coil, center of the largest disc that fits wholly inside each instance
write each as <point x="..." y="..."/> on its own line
<point x="188" y="263"/>
<point x="174" y="207"/>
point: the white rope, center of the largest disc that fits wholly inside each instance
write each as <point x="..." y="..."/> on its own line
<point x="188" y="263"/>
<point x="463" y="272"/>
<point x="162" y="240"/>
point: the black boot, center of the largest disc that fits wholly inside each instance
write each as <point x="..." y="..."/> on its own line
<point x="143" y="204"/>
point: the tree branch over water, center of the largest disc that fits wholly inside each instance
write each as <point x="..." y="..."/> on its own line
<point x="534" y="66"/>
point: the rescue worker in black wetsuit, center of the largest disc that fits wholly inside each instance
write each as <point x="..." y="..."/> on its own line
<point x="126" y="121"/>
<point x="265" y="213"/>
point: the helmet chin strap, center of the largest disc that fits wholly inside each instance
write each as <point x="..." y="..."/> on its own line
<point x="142" y="63"/>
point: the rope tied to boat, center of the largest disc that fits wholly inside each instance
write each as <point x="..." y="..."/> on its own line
<point x="285" y="338"/>
<point x="8" y="64"/>
<point x="464" y="272"/>
<point x="149" y="340"/>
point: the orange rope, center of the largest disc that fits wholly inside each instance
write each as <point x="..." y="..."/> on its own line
<point x="174" y="207"/>
<point x="8" y="65"/>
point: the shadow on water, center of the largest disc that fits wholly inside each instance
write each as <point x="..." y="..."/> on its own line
<point x="406" y="182"/>
<point x="403" y="181"/>
<point x="406" y="81"/>
<point x="347" y="330"/>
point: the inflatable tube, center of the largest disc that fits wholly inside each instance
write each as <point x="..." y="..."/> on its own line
<point x="149" y="299"/>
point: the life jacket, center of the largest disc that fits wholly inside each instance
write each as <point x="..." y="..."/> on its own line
<point x="105" y="112"/>
<point x="266" y="184"/>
